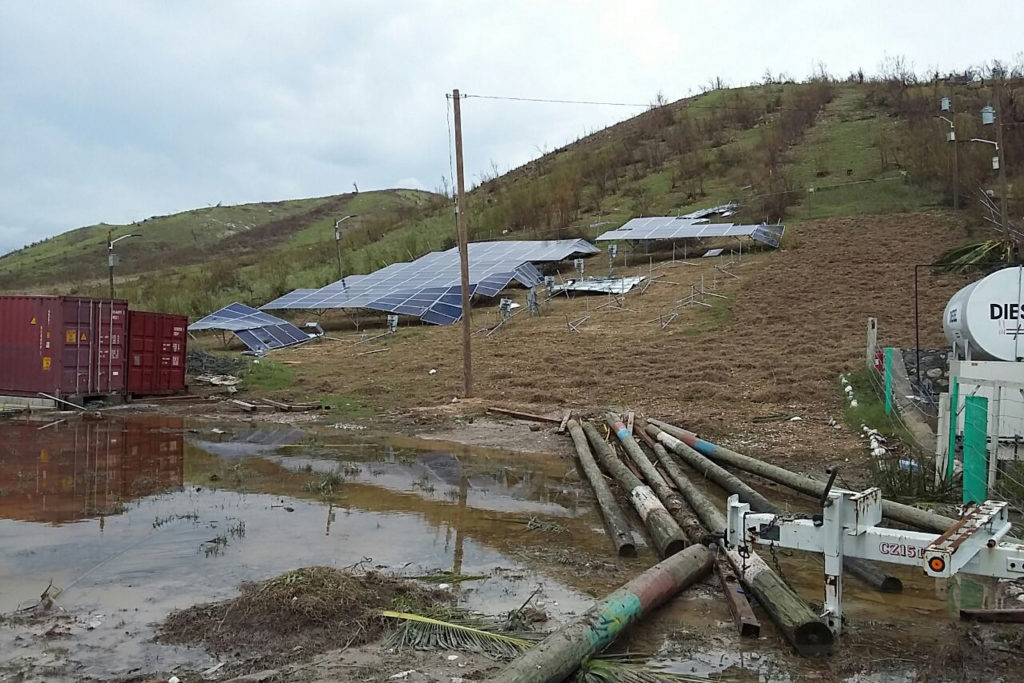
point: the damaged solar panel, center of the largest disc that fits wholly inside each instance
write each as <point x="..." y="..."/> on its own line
<point x="430" y="287"/>
<point x="599" y="285"/>
<point x="672" y="227"/>
<point x="259" y="331"/>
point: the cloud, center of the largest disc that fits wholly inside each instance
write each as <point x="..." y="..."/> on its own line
<point x="117" y="110"/>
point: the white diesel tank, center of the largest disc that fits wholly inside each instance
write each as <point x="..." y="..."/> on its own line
<point x="985" y="319"/>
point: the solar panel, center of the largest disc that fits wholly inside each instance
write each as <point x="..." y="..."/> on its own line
<point x="233" y="317"/>
<point x="671" y="227"/>
<point x="260" y="331"/>
<point x="263" y="339"/>
<point x="713" y="252"/>
<point x="431" y="287"/>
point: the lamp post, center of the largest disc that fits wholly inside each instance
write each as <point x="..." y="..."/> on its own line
<point x="946" y="104"/>
<point x="337" y="242"/>
<point x="988" y="118"/>
<point x="112" y="257"/>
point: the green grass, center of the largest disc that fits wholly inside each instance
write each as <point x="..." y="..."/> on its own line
<point x="904" y="476"/>
<point x="348" y="406"/>
<point x="266" y="375"/>
<point x="189" y="238"/>
<point x="870" y="408"/>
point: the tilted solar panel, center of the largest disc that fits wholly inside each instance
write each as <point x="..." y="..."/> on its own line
<point x="431" y="286"/>
<point x="259" y="331"/>
<point x="263" y="339"/>
<point x="233" y="317"/>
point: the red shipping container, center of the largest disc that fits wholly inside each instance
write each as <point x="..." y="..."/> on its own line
<point x="69" y="347"/>
<point x="156" y="353"/>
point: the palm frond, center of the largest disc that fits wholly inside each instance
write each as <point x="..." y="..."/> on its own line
<point x="625" y="669"/>
<point x="975" y="255"/>
<point x="422" y="632"/>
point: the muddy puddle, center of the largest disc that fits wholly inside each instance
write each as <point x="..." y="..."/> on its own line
<point x="133" y="518"/>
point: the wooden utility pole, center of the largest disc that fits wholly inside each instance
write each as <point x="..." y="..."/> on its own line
<point x="463" y="239"/>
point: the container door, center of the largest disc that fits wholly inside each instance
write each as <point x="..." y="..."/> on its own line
<point x="77" y="337"/>
<point x="172" y="353"/>
<point x="110" y="344"/>
<point x="141" y="352"/>
<point x="29" y="345"/>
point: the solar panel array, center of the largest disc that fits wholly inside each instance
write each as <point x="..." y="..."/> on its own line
<point x="671" y="228"/>
<point x="430" y="287"/>
<point x="260" y="331"/>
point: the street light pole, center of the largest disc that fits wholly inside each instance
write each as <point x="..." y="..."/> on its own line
<point x="991" y="116"/>
<point x="947" y="105"/>
<point x="112" y="257"/>
<point x="337" y="242"/>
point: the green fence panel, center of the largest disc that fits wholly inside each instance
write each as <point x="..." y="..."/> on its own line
<point x="975" y="449"/>
<point x="888" y="381"/>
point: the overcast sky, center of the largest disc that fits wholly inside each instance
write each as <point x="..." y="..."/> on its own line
<point x="114" y="111"/>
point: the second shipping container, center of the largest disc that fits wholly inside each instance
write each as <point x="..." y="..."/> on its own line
<point x="156" y="353"/>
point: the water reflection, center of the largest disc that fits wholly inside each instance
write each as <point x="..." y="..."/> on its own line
<point x="264" y="514"/>
<point x="81" y="469"/>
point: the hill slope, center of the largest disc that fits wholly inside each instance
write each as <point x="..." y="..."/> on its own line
<point x="791" y="151"/>
<point x="190" y="237"/>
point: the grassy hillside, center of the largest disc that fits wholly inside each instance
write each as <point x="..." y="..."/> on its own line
<point x="785" y="151"/>
<point x="190" y="237"/>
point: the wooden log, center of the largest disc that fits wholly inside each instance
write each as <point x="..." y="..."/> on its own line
<point x="907" y="514"/>
<point x="727" y="480"/>
<point x="566" y="416"/>
<point x="667" y="536"/>
<point x="863" y="570"/>
<point x="676" y="506"/>
<point x="747" y="624"/>
<point x="614" y="519"/>
<point x="993" y="616"/>
<point x="525" y="416"/>
<point x="801" y="627"/>
<point x="242" y="405"/>
<point x="557" y="656"/>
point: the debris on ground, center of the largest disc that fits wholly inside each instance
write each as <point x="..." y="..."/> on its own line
<point x="202" y="363"/>
<point x="217" y="380"/>
<point x="347" y="427"/>
<point x="315" y="608"/>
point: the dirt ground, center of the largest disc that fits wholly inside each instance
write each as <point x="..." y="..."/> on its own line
<point x="792" y="321"/>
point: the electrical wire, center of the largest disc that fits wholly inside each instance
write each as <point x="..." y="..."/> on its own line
<point x="451" y="162"/>
<point x="687" y="103"/>
<point x="555" y="101"/>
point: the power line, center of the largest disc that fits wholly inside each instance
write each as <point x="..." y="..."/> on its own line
<point x="687" y="103"/>
<point x="451" y="163"/>
<point x="553" y="101"/>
